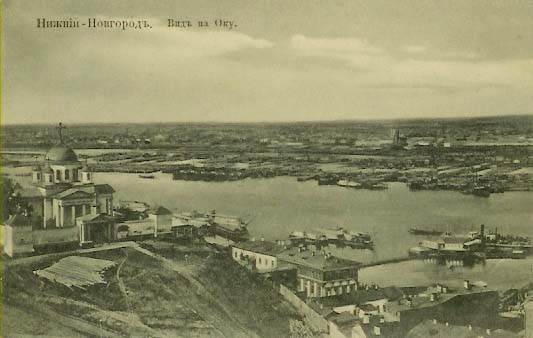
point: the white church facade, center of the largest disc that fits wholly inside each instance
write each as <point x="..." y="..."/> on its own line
<point x="67" y="208"/>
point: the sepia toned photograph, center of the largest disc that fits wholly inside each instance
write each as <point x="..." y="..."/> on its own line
<point x="267" y="169"/>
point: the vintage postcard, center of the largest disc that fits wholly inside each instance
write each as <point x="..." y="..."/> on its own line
<point x="267" y="169"/>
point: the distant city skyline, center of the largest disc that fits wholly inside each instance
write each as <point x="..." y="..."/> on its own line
<point x="286" y="61"/>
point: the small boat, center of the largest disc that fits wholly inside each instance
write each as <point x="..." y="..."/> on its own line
<point x="147" y="176"/>
<point x="348" y="184"/>
<point x="425" y="232"/>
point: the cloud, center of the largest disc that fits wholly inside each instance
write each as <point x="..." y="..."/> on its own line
<point x="378" y="67"/>
<point x="337" y="46"/>
<point x="413" y="49"/>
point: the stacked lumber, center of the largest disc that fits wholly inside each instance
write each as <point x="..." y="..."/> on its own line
<point x="75" y="271"/>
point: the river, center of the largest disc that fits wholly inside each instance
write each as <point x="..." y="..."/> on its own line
<point x="277" y="206"/>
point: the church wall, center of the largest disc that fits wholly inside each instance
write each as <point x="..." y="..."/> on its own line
<point x="57" y="235"/>
<point x="17" y="240"/>
<point x="47" y="210"/>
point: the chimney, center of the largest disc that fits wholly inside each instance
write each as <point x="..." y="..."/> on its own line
<point x="469" y="327"/>
<point x="434" y="321"/>
<point x="253" y="239"/>
<point x="312" y="253"/>
<point x="488" y="332"/>
<point x="262" y="239"/>
<point x="467" y="284"/>
<point x="366" y="319"/>
<point x="432" y="297"/>
<point x="447" y="324"/>
<point x="482" y="234"/>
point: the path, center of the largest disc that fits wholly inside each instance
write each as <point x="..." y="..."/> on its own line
<point x="206" y="305"/>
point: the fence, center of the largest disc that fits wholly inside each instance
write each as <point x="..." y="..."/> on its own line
<point x="312" y="317"/>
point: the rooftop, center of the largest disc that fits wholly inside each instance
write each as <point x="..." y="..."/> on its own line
<point x="103" y="189"/>
<point x="61" y="153"/>
<point x="428" y="328"/>
<point x="316" y="260"/>
<point x="262" y="247"/>
<point x="159" y="210"/>
<point x="424" y="299"/>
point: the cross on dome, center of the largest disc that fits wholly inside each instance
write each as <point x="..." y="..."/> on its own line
<point x="60" y="128"/>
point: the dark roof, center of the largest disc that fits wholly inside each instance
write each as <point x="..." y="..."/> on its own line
<point x="392" y="293"/>
<point x="159" y="210"/>
<point x="344" y="318"/>
<point x="18" y="221"/>
<point x="262" y="247"/>
<point x="316" y="260"/>
<point x="95" y="218"/>
<point x="456" y="240"/>
<point x="428" y="329"/>
<point x="61" y="153"/>
<point x="103" y="189"/>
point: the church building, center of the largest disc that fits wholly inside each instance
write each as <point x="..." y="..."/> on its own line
<point x="67" y="208"/>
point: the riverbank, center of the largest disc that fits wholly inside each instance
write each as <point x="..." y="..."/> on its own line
<point x="501" y="274"/>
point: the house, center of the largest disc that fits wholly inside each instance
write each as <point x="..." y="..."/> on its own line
<point x="319" y="273"/>
<point x="261" y="255"/>
<point x="469" y="305"/>
<point x="17" y="235"/>
<point x="157" y="224"/>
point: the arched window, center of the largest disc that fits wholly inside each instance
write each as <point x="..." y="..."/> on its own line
<point x="67" y="176"/>
<point x="75" y="174"/>
<point x="58" y="175"/>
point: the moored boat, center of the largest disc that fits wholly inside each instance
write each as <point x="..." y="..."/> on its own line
<point x="425" y="232"/>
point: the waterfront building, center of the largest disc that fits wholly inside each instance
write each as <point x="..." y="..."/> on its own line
<point x="64" y="207"/>
<point x="320" y="274"/>
<point x="229" y="227"/>
<point x="259" y="255"/>
<point x="157" y="224"/>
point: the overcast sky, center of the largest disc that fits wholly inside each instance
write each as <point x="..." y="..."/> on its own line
<point x="286" y="61"/>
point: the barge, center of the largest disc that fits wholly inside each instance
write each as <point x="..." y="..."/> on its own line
<point x="337" y="236"/>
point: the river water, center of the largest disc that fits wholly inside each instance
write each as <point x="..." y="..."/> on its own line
<point x="277" y="206"/>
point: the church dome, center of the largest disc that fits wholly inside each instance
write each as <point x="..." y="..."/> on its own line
<point x="61" y="153"/>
